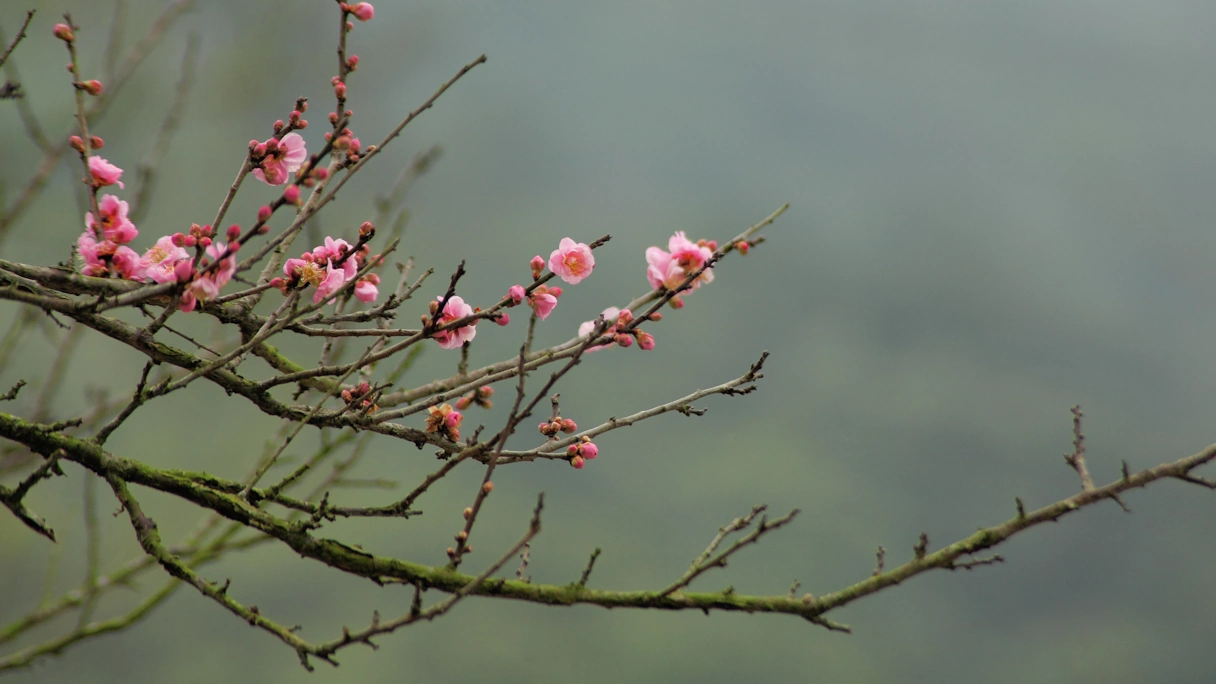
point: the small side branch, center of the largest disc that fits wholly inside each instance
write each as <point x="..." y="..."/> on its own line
<point x="707" y="560"/>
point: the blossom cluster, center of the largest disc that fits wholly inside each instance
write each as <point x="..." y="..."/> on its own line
<point x="668" y="269"/>
<point x="329" y="267"/>
<point x="618" y="321"/>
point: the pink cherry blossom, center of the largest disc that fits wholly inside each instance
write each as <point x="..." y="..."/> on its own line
<point x="571" y="261"/>
<point x="91" y="251"/>
<point x="335" y="278"/>
<point x="126" y="263"/>
<point x="159" y="262"/>
<point x="611" y="314"/>
<point x="282" y="158"/>
<point x="366" y="290"/>
<point x="114" y="225"/>
<point x="207" y="286"/>
<point x="227" y="268"/>
<point x="453" y="309"/>
<point x="516" y="293"/>
<point x="543" y="303"/>
<point x="104" y="173"/>
<point x="668" y="269"/>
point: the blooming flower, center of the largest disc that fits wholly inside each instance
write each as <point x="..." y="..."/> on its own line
<point x="318" y="268"/>
<point x="282" y="157"/>
<point x="668" y="269"/>
<point x="104" y="173"/>
<point x="126" y="263"/>
<point x="571" y="261"/>
<point x="208" y="286"/>
<point x="611" y="314"/>
<point x="453" y="309"/>
<point x="92" y="252"/>
<point x="159" y="262"/>
<point x="114" y="224"/>
<point x="543" y="304"/>
<point x="366" y="290"/>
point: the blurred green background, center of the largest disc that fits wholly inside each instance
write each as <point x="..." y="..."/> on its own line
<point x="999" y="210"/>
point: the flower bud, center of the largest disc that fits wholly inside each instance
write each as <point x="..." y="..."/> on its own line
<point x="64" y="32"/>
<point x="487" y="487"/>
<point x="233" y="232"/>
<point x="264" y="213"/>
<point x="77" y="143"/>
<point x="292" y="194"/>
<point x="743" y="247"/>
<point x="96" y="142"/>
<point x="645" y="341"/>
<point x="367" y="229"/>
<point x="569" y="426"/>
<point x="503" y="319"/>
<point x="538" y="265"/>
<point x="624" y="340"/>
<point x="577" y="462"/>
<point x="468" y="513"/>
<point x="461" y="536"/>
<point x="340" y="91"/>
<point x="92" y="87"/>
<point x="363" y="11"/>
<point x="589" y="450"/>
<point x="183" y="271"/>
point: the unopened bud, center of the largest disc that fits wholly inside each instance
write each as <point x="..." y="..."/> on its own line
<point x="743" y="247"/>
<point x="462" y="536"/>
<point x="487" y="487"/>
<point x="577" y="462"/>
<point x="64" y="32"/>
<point x="468" y="513"/>
<point x="96" y="142"/>
<point x="264" y="213"/>
<point x="292" y="194"/>
<point x="340" y="90"/>
<point x="77" y="143"/>
<point x="233" y="232"/>
<point x="92" y="87"/>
